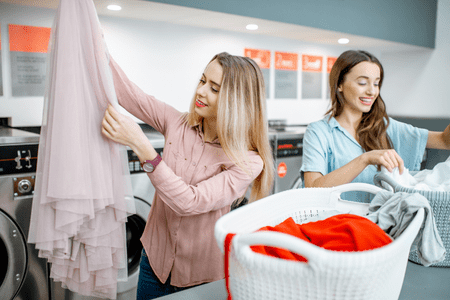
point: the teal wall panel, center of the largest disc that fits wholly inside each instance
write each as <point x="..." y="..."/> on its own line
<point x="405" y="21"/>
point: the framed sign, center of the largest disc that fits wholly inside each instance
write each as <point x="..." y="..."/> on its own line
<point x="262" y="58"/>
<point x="312" y="76"/>
<point x="286" y="74"/>
<point x="330" y="63"/>
<point x="28" y="47"/>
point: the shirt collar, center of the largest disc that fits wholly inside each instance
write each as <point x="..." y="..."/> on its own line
<point x="333" y="123"/>
<point x="199" y="128"/>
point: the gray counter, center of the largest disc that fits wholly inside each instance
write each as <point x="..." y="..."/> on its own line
<point x="420" y="283"/>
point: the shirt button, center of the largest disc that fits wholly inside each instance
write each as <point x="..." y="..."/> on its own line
<point x="194" y="164"/>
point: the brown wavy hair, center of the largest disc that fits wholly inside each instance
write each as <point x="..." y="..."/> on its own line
<point x="242" y="118"/>
<point x="371" y="132"/>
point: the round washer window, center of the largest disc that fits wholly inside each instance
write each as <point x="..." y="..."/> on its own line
<point x="3" y="261"/>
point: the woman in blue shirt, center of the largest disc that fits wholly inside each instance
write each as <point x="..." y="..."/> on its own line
<point x="357" y="137"/>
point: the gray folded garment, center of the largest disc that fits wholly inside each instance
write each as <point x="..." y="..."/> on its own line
<point x="394" y="211"/>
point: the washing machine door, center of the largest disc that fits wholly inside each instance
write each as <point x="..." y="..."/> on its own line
<point x="134" y="227"/>
<point x="13" y="257"/>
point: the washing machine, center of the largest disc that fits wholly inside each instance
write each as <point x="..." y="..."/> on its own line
<point x="288" y="152"/>
<point x="23" y="275"/>
<point x="143" y="192"/>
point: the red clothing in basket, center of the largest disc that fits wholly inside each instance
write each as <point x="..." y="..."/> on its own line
<point x="344" y="232"/>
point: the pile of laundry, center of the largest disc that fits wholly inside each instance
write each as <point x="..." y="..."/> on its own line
<point x="389" y="215"/>
<point x="436" y="179"/>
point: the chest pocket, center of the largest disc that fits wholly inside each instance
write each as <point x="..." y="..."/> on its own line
<point x="175" y="160"/>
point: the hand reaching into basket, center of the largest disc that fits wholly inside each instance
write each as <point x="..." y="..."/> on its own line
<point x="385" y="158"/>
<point x="381" y="158"/>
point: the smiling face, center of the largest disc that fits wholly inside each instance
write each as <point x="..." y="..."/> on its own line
<point x="208" y="89"/>
<point x="360" y="88"/>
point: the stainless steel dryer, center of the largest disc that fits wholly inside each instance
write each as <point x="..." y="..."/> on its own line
<point x="23" y="275"/>
<point x="288" y="152"/>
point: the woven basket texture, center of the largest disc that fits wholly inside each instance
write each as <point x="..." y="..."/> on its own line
<point x="440" y="205"/>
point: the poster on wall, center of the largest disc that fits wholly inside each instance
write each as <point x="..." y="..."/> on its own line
<point x="1" y="78"/>
<point x="286" y="74"/>
<point x="262" y="58"/>
<point x="330" y="63"/>
<point x="312" y="76"/>
<point x="28" y="50"/>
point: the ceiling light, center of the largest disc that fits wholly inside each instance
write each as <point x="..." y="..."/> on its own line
<point x="251" y="26"/>
<point x="343" y="41"/>
<point x="114" y="7"/>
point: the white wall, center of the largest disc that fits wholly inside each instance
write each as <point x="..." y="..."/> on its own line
<point x="417" y="83"/>
<point x="23" y="111"/>
<point x="166" y="60"/>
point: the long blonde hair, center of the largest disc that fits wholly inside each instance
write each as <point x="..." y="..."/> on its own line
<point x="242" y="118"/>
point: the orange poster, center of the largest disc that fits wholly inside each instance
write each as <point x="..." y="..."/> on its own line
<point x="261" y="57"/>
<point x="28" y="38"/>
<point x="312" y="63"/>
<point x="286" y="61"/>
<point x="330" y="63"/>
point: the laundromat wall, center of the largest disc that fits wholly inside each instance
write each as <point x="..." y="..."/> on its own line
<point x="166" y="60"/>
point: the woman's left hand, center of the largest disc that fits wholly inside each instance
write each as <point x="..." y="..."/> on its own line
<point x="120" y="128"/>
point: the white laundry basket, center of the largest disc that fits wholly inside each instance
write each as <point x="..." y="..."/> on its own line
<point x="373" y="274"/>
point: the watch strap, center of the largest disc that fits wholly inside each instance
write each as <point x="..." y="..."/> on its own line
<point x="154" y="162"/>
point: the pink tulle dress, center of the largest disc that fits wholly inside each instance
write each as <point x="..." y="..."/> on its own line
<point x="83" y="192"/>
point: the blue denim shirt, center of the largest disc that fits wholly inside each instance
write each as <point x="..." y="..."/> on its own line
<point x="327" y="146"/>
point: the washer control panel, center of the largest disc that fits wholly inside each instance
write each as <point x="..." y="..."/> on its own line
<point x="18" y="159"/>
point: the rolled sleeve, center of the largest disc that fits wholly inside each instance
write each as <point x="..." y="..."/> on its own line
<point x="141" y="105"/>
<point x="208" y="195"/>
<point x="409" y="142"/>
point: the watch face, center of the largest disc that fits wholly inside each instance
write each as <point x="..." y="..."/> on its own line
<point x="148" y="167"/>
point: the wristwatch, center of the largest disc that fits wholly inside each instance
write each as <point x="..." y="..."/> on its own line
<point x="150" y="165"/>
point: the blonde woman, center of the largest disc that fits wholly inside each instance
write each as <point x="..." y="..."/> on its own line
<point x="211" y="156"/>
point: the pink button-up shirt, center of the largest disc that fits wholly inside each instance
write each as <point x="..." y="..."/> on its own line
<point x="195" y="185"/>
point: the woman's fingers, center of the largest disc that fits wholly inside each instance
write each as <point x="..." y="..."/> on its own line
<point x="400" y="163"/>
<point x="106" y="126"/>
<point x="388" y="159"/>
<point x="111" y="124"/>
<point x="392" y="160"/>
<point x="113" y="113"/>
<point x="386" y="162"/>
<point x="120" y="128"/>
